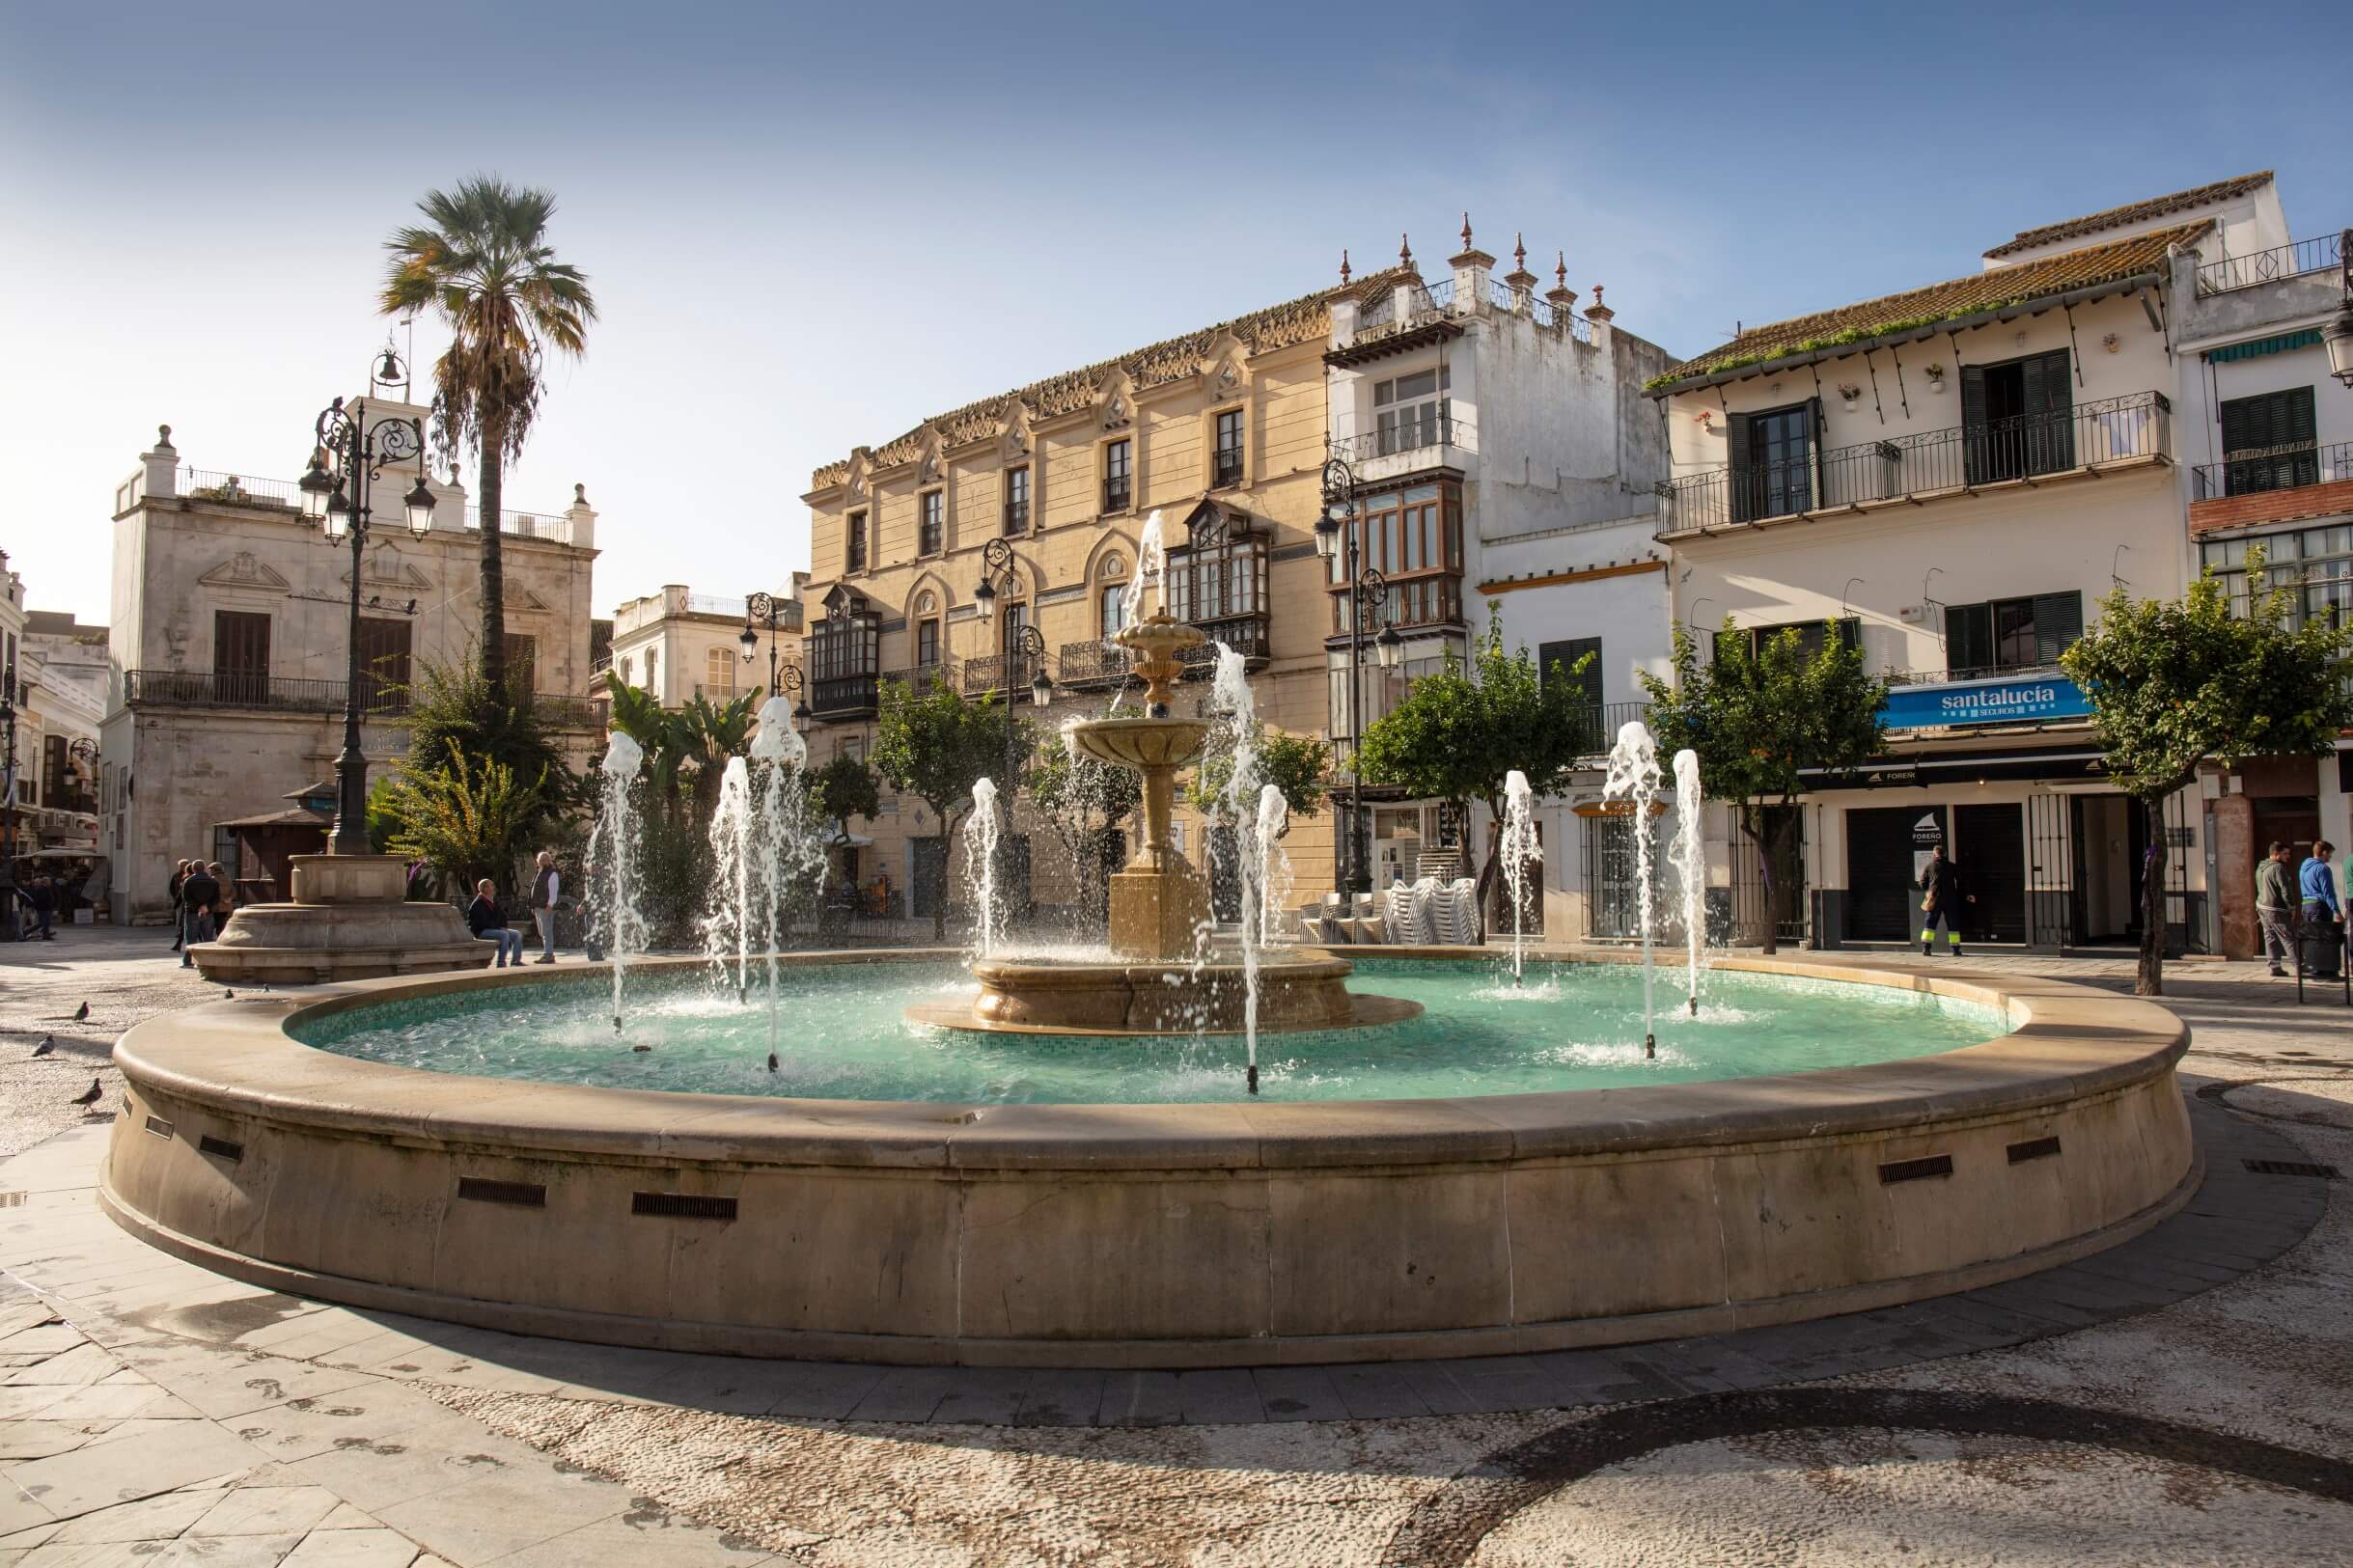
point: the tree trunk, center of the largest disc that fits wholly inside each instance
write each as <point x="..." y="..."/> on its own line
<point x="1770" y="940"/>
<point x="2151" y="980"/>
<point x="493" y="568"/>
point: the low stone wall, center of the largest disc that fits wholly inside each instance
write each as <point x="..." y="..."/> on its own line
<point x="1180" y="1235"/>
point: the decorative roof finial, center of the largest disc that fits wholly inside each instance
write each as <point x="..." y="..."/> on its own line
<point x="1597" y="296"/>
<point x="1405" y="250"/>
<point x="1560" y="269"/>
<point x="1466" y="231"/>
<point x="1344" y="265"/>
<point x="1519" y="251"/>
<point x="580" y="495"/>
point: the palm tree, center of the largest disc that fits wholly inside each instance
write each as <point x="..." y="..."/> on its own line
<point x="711" y="732"/>
<point x="484" y="265"/>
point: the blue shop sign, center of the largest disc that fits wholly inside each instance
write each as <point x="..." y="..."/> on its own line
<point x="2023" y="700"/>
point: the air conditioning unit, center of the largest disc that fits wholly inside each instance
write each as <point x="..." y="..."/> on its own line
<point x="1913" y="614"/>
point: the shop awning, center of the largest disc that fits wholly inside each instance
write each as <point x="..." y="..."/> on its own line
<point x="2008" y="764"/>
<point x="2285" y="343"/>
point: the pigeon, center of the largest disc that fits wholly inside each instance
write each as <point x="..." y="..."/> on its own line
<point x="88" y="1096"/>
<point x="48" y="1044"/>
<point x="227" y="995"/>
<point x="641" y="1048"/>
<point x="81" y="1014"/>
<point x="771" y="1062"/>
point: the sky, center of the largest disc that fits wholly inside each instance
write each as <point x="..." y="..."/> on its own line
<point x="809" y="228"/>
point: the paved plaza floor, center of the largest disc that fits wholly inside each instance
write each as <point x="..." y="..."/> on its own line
<point x="2185" y="1398"/>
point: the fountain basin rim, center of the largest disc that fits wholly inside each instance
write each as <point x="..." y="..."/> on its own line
<point x="238" y="1058"/>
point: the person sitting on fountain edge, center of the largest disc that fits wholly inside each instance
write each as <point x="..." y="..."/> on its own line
<point x="482" y="918"/>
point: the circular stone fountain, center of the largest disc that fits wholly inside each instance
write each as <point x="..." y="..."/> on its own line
<point x="1158" y="979"/>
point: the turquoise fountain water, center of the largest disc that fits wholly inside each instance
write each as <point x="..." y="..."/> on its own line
<point x="1571" y="1026"/>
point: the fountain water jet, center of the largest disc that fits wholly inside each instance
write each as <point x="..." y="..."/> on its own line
<point x="1520" y="848"/>
<point x="1633" y="777"/>
<point x="1689" y="857"/>
<point x="733" y="852"/>
<point x="980" y="837"/>
<point x="610" y="846"/>
<point x="787" y="838"/>
<point x="1232" y="694"/>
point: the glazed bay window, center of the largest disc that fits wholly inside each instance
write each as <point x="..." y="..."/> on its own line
<point x="2025" y="633"/>
<point x="1226" y="466"/>
<point x="1413" y="538"/>
<point x="853" y="549"/>
<point x="1016" y="501"/>
<point x="1217" y="581"/>
<point x="929" y="526"/>
<point x="1118" y="475"/>
<point x="842" y="653"/>
<point x="1410" y="412"/>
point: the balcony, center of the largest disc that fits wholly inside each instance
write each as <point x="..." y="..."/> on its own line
<point x="2323" y="255"/>
<point x="1246" y="635"/>
<point x="251" y="690"/>
<point x="836" y="698"/>
<point x="1435" y="434"/>
<point x="534" y="525"/>
<point x="924" y="677"/>
<point x="1094" y="665"/>
<point x="997" y="672"/>
<point x="2275" y="486"/>
<point x="1598" y="724"/>
<point x="2112" y="432"/>
<point x="1225" y="467"/>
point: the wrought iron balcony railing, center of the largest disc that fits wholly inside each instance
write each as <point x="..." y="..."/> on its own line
<point x="2323" y="255"/>
<point x="1596" y="723"/>
<point x="996" y="672"/>
<point x="1246" y="635"/>
<point x="1929" y="462"/>
<point x="207" y="484"/>
<point x="1226" y="466"/>
<point x="924" y="677"/>
<point x="2288" y="468"/>
<point x="248" y="689"/>
<point x="1092" y="665"/>
<point x="1411" y="435"/>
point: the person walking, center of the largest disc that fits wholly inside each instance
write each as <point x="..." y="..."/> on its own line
<point x="546" y="890"/>
<point x="200" y="895"/>
<point x="484" y="920"/>
<point x="43" y="896"/>
<point x="2323" y="913"/>
<point x="2273" y="909"/>
<point x="179" y="925"/>
<point x="1942" y="896"/>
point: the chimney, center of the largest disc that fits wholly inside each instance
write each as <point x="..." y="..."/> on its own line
<point x="583" y="519"/>
<point x="1471" y="268"/>
<point x="159" y="468"/>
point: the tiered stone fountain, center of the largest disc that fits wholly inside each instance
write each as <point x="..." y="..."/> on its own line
<point x="1163" y="974"/>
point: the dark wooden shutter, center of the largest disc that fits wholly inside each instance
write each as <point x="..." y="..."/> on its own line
<point x="1743" y="502"/>
<point x="2059" y="621"/>
<point x="2047" y="403"/>
<point x="1969" y="637"/>
<point x="1816" y="425"/>
<point x="1976" y="442"/>
<point x="2261" y="427"/>
<point x="384" y="663"/>
<point x="1850" y="632"/>
<point x="241" y="656"/>
<point x="522" y="663"/>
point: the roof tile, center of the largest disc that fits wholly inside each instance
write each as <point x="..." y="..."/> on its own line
<point x="2132" y="212"/>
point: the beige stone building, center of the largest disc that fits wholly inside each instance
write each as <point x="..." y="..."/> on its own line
<point x="58" y="706"/>
<point x="680" y="645"/>
<point x="1220" y="431"/>
<point x="229" y="652"/>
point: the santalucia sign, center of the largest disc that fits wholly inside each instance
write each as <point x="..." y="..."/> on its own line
<point x="1985" y="701"/>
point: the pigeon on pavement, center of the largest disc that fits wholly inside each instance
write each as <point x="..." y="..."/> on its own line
<point x="90" y="1096"/>
<point x="48" y="1044"/>
<point x="81" y="1014"/>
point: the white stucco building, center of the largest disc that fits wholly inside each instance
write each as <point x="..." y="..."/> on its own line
<point x="57" y="712"/>
<point x="678" y="645"/>
<point x="229" y="649"/>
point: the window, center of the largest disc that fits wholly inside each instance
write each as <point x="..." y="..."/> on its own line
<point x="926" y="644"/>
<point x="1412" y="411"/>
<point x="1219" y="573"/>
<point x="1227" y="466"/>
<point x="929" y="508"/>
<point x="1118" y="475"/>
<point x="53" y="773"/>
<point x="1017" y="501"/>
<point x="621" y="664"/>
<point x="1558" y="661"/>
<point x="1015" y="616"/>
<point x="2269" y="442"/>
<point x="1114" y="601"/>
<point x="523" y="662"/>
<point x="2316" y="563"/>
<point x="2018" y="418"/>
<point x="853" y="557"/>
<point x="1414" y="538"/>
<point x="383" y="664"/>
<point x="1773" y="462"/>
<point x="1812" y="636"/>
<point x="719" y="672"/>
<point x="241" y="656"/>
<point x="2010" y="634"/>
<point x="654" y="673"/>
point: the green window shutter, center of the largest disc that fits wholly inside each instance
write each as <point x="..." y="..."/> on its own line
<point x="2245" y="424"/>
<point x="1743" y="500"/>
<point x="1976" y="442"/>
<point x="1969" y="635"/>
<point x="2059" y="621"/>
<point x="2049" y="402"/>
<point x="1816" y="425"/>
<point x="1565" y="654"/>
<point x="2295" y="419"/>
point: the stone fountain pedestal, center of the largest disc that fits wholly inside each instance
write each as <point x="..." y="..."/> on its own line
<point x="348" y="918"/>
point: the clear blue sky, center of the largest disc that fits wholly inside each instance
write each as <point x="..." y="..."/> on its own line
<point x="810" y="228"/>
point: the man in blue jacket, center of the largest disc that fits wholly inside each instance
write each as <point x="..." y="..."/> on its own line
<point x="2317" y="882"/>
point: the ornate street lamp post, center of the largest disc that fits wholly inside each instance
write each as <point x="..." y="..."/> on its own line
<point x="1026" y="646"/>
<point x="8" y="803"/>
<point x="350" y="456"/>
<point x="1339" y="540"/>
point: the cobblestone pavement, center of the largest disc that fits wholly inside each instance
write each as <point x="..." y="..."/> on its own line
<point x="2187" y="1398"/>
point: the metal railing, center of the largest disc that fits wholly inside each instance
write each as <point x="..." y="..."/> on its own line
<point x="924" y="677"/>
<point x="1412" y="435"/>
<point x="570" y="713"/>
<point x="1226" y="466"/>
<point x="1983" y="672"/>
<point x="1426" y="303"/>
<point x="705" y="604"/>
<point x="533" y="525"/>
<point x="2290" y="468"/>
<point x="1118" y="495"/>
<point x="1096" y="662"/>
<point x="1905" y="467"/>
<point x="1016" y="517"/>
<point x="1596" y="723"/>
<point x="2322" y="255"/>
<point x="209" y="484"/>
<point x="1246" y="635"/>
<point x="997" y="672"/>
<point x="248" y="689"/>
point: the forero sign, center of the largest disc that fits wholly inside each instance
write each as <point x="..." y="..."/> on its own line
<point x="1985" y="701"/>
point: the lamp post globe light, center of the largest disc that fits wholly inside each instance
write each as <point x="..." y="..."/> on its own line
<point x="349" y="456"/>
<point x="1339" y="540"/>
<point x="761" y="609"/>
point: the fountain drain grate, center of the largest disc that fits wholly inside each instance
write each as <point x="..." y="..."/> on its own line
<point x="2292" y="1168"/>
<point x="528" y="1194"/>
<point x="222" y="1147"/>
<point x="682" y="1205"/>
<point x="160" y="1127"/>
<point x="1895" y="1170"/>
<point x="2034" y="1148"/>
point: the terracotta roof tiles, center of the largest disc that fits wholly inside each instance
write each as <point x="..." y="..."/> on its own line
<point x="2132" y="212"/>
